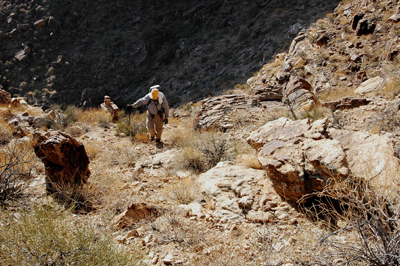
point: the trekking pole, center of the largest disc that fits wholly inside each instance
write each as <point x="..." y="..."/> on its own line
<point x="129" y="111"/>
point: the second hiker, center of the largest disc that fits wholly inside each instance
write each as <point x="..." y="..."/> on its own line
<point x="157" y="111"/>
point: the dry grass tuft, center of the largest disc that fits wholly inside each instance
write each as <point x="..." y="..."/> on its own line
<point x="94" y="116"/>
<point x="316" y="113"/>
<point x="183" y="191"/>
<point x="391" y="88"/>
<point x="337" y="93"/>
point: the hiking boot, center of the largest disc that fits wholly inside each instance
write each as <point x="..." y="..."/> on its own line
<point x="158" y="140"/>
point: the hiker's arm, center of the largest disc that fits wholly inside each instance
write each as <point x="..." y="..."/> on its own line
<point x="166" y="108"/>
<point x="142" y="101"/>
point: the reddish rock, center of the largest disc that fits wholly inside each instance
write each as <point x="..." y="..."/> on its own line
<point x="39" y="23"/>
<point x="65" y="160"/>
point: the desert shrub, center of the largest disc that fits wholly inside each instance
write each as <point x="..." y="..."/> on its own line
<point x="64" y="118"/>
<point x="76" y="197"/>
<point x="368" y="221"/>
<point x="193" y="159"/>
<point x="213" y="148"/>
<point x="203" y="151"/>
<point x="16" y="164"/>
<point x="132" y="124"/>
<point x="184" y="191"/>
<point x="172" y="227"/>
<point x="316" y="113"/>
<point x="71" y="114"/>
<point x="48" y="236"/>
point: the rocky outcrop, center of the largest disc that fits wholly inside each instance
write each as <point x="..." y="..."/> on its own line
<point x="370" y="85"/>
<point x="213" y="111"/>
<point x="298" y="92"/>
<point x="299" y="157"/>
<point x="346" y="103"/>
<point x="262" y="94"/>
<point x="64" y="158"/>
<point x="239" y="194"/>
<point x="5" y="97"/>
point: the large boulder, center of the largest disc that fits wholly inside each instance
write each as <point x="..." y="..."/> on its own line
<point x="238" y="193"/>
<point x="300" y="157"/>
<point x="65" y="160"/>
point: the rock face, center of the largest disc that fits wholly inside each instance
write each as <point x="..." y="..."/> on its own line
<point x="239" y="193"/>
<point x="136" y="54"/>
<point x="299" y="157"/>
<point x="213" y="112"/>
<point x="65" y="160"/>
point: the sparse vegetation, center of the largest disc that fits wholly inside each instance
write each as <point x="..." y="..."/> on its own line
<point x="16" y="164"/>
<point x="391" y="87"/>
<point x="349" y="223"/>
<point x="48" y="235"/>
<point x="369" y="222"/>
<point x="133" y="125"/>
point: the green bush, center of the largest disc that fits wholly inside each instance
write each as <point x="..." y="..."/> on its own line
<point x="47" y="236"/>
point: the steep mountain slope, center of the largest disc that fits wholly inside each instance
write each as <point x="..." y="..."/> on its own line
<point x="74" y="52"/>
<point x="344" y="68"/>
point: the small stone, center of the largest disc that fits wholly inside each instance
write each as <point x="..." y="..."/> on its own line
<point x="168" y="260"/>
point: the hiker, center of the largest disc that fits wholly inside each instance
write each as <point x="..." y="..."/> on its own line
<point x="157" y="111"/>
<point x="110" y="107"/>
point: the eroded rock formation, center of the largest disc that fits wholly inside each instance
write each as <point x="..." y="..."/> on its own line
<point x="65" y="160"/>
<point x="300" y="157"/>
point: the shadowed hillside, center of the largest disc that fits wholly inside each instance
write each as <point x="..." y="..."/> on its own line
<point x="74" y="52"/>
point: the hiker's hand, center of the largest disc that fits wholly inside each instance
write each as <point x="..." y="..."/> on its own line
<point x="166" y="121"/>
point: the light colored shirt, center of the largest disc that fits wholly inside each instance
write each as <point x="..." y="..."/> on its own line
<point x="153" y="106"/>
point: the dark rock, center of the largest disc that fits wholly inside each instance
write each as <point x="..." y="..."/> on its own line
<point x="323" y="40"/>
<point x="65" y="160"/>
<point x="39" y="23"/>
<point x="52" y="22"/>
<point x="365" y="26"/>
<point x="356" y="19"/>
